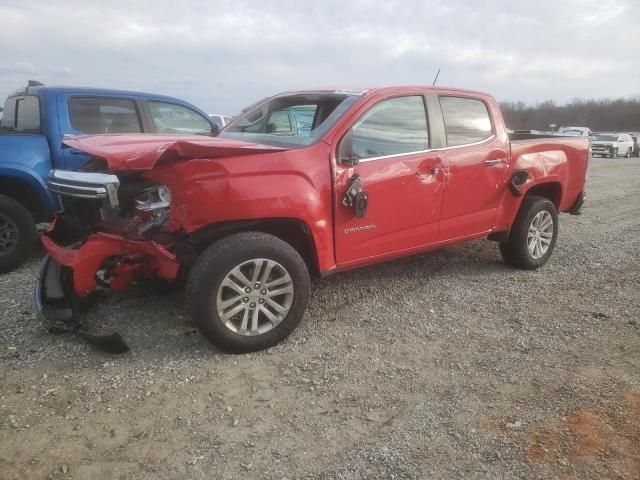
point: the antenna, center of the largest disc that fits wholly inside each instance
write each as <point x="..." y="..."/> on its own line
<point x="435" y="80"/>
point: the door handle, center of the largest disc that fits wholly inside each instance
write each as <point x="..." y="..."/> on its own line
<point x="430" y="173"/>
<point x="75" y="151"/>
<point x="492" y="162"/>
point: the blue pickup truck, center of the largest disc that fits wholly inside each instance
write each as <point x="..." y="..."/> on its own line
<point x="34" y="123"/>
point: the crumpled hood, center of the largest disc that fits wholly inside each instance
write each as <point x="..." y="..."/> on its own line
<point x="143" y="151"/>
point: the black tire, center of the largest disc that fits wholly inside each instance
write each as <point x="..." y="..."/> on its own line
<point x="515" y="250"/>
<point x="628" y="155"/>
<point x="213" y="266"/>
<point x="17" y="234"/>
<point x="615" y="153"/>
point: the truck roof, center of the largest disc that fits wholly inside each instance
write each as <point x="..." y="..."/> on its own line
<point x="46" y="89"/>
<point x="389" y="89"/>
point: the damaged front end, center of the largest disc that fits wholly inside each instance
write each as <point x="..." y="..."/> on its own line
<point x="111" y="230"/>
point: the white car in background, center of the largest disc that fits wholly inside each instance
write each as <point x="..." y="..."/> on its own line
<point x="612" y="145"/>
<point x="576" y="132"/>
<point x="221" y="120"/>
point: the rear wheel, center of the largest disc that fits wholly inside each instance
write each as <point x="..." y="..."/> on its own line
<point x="17" y="234"/>
<point x="248" y="291"/>
<point x="533" y="234"/>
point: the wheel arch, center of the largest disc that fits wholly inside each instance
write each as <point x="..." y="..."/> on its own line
<point x="294" y="231"/>
<point x="22" y="191"/>
<point x="549" y="190"/>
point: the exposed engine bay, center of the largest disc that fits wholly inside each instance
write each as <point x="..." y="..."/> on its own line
<point x="109" y="233"/>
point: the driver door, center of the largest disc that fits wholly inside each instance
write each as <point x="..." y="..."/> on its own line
<point x="402" y="179"/>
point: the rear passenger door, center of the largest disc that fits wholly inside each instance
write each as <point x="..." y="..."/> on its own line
<point x="87" y="115"/>
<point x="477" y="166"/>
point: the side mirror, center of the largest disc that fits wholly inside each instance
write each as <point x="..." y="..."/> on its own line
<point x="345" y="150"/>
<point x="215" y="129"/>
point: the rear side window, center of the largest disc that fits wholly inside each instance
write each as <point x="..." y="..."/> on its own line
<point x="392" y="127"/>
<point x="466" y="120"/>
<point x="171" y="118"/>
<point x="21" y="114"/>
<point x="104" y="115"/>
<point x="28" y="114"/>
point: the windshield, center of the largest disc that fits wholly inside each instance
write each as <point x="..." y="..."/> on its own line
<point x="607" y="138"/>
<point x="290" y="120"/>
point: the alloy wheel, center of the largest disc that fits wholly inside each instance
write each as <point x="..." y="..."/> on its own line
<point x="254" y="297"/>
<point x="540" y="234"/>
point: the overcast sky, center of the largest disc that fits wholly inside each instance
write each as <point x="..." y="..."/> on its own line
<point x="225" y="54"/>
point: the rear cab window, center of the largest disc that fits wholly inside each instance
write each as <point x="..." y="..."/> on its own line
<point x="95" y="115"/>
<point x="21" y="115"/>
<point x="467" y="120"/>
<point x="392" y="127"/>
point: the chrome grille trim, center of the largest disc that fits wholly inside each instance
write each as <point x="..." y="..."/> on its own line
<point x="98" y="186"/>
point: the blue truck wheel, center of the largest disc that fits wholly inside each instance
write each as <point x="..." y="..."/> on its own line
<point x="17" y="234"/>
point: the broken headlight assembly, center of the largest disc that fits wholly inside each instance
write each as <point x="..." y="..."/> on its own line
<point x="150" y="209"/>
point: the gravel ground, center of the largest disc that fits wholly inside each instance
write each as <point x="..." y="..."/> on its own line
<point x="445" y="365"/>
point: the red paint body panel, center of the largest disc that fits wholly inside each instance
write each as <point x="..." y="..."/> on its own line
<point x="142" y="151"/>
<point x="293" y="184"/>
<point x="215" y="180"/>
<point x="563" y="161"/>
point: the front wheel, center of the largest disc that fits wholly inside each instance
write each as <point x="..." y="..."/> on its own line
<point x="533" y="235"/>
<point x="615" y="153"/>
<point x="17" y="234"/>
<point x="628" y="155"/>
<point x="248" y="291"/>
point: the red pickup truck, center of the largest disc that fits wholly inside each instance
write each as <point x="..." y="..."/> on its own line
<point x="304" y="182"/>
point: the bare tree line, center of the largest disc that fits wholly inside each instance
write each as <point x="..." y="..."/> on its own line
<point x="601" y="115"/>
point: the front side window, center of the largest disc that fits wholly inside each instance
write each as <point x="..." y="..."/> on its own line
<point x="171" y="118"/>
<point x="392" y="127"/>
<point x="466" y="120"/>
<point x="290" y="120"/>
<point x="104" y="115"/>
